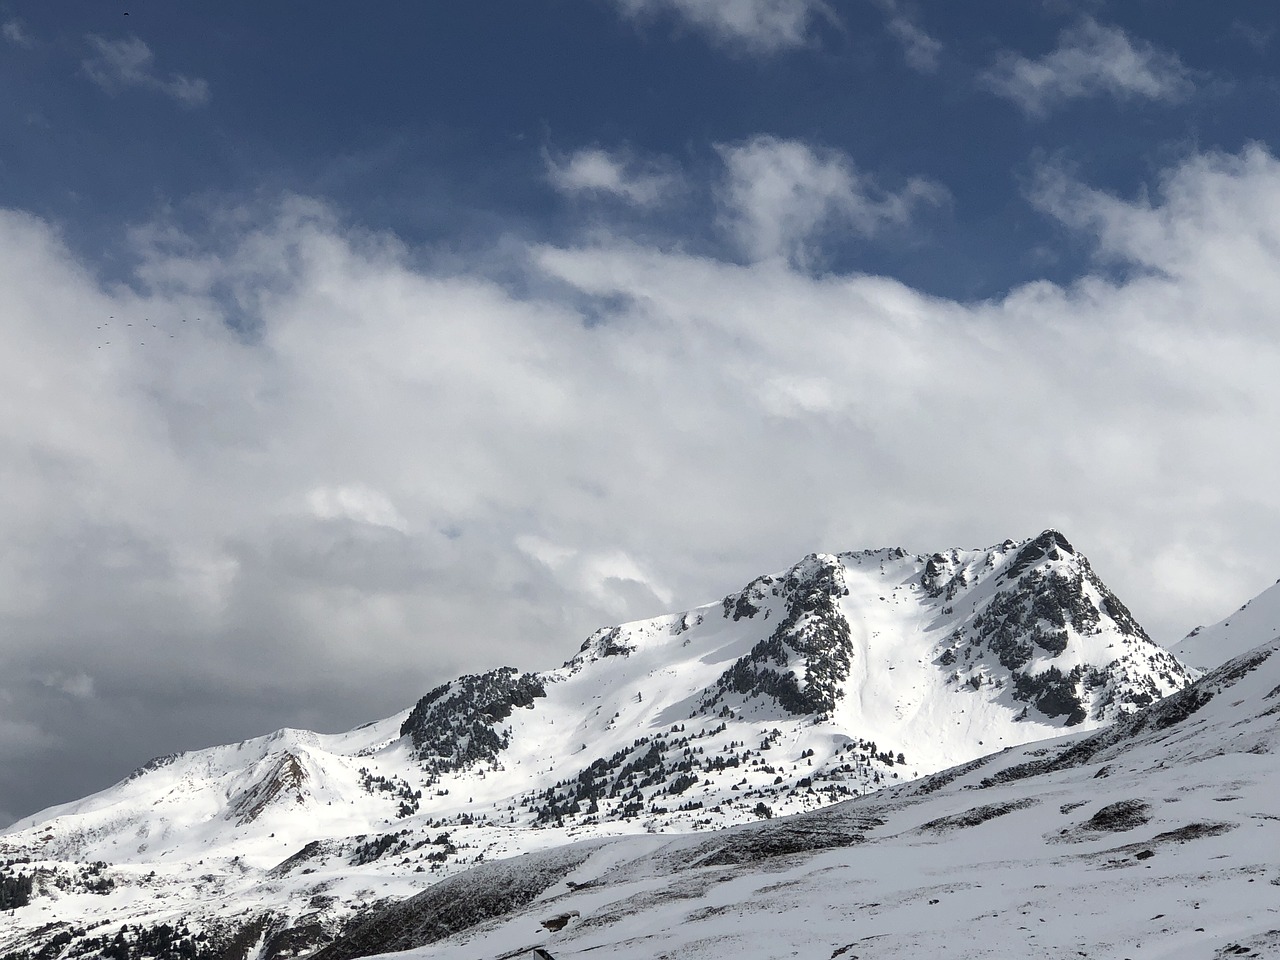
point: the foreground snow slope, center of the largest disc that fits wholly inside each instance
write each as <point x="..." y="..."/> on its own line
<point x="1155" y="838"/>
<point x="1254" y="623"/>
<point x="837" y="676"/>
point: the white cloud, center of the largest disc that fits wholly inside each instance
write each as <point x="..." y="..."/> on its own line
<point x="78" y="685"/>
<point x="357" y="502"/>
<point x="118" y="65"/>
<point x="412" y="471"/>
<point x="919" y="48"/>
<point x="1091" y="59"/>
<point x="596" y="172"/>
<point x="1255" y="37"/>
<point x="611" y="578"/>
<point x="1185" y="234"/>
<point x="779" y="196"/>
<point x="16" y="34"/>
<point x="760" y="26"/>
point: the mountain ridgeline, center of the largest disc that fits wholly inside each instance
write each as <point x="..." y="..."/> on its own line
<point x="879" y="650"/>
<point x="843" y="674"/>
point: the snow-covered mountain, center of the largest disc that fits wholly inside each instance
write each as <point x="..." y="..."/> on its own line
<point x="841" y="675"/>
<point x="1156" y="837"/>
<point x="1254" y="623"/>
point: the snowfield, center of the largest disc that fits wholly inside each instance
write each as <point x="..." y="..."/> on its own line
<point x="1157" y="838"/>
<point x="1256" y="621"/>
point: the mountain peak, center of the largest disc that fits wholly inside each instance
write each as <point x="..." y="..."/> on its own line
<point x="837" y="676"/>
<point x="1038" y="621"/>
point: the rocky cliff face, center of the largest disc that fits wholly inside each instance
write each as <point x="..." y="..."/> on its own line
<point x="1038" y="615"/>
<point x="804" y="662"/>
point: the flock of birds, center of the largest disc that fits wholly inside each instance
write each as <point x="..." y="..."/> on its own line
<point x="106" y="325"/>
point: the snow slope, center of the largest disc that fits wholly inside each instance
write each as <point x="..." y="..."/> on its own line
<point x="1254" y="623"/>
<point x="829" y="680"/>
<point x="1154" y="838"/>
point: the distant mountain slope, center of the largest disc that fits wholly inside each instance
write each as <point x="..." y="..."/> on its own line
<point x="1155" y="837"/>
<point x="837" y="676"/>
<point x="1254" y="623"/>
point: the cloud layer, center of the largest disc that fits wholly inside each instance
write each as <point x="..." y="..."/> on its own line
<point x="757" y="26"/>
<point x="1091" y="59"/>
<point x="595" y="172"/>
<point x="780" y="197"/>
<point x="920" y="49"/>
<point x="119" y="65"/>
<point x="386" y="470"/>
<point x="14" y="32"/>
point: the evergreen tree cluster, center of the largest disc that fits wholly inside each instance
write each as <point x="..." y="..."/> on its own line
<point x="374" y="849"/>
<point x="407" y="797"/>
<point x="645" y="778"/>
<point x="18" y="887"/>
<point x="456" y="725"/>
<point x="130" y="942"/>
<point x="161" y="942"/>
<point x="15" y="888"/>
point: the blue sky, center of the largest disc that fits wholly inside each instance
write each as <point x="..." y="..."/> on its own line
<point x="351" y="350"/>
<point x="433" y="120"/>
